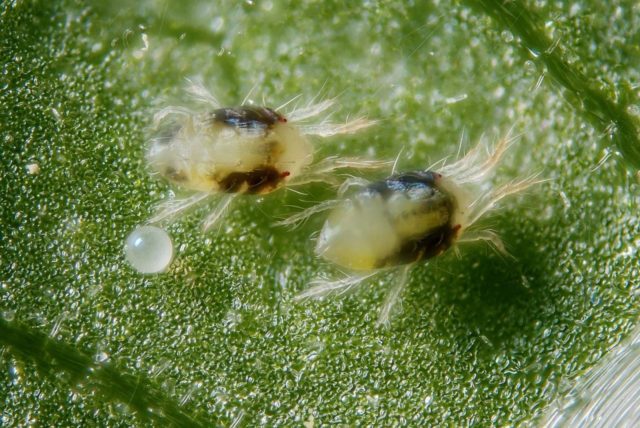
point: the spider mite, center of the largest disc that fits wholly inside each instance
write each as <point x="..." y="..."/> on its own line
<point x="407" y="218"/>
<point x="224" y="152"/>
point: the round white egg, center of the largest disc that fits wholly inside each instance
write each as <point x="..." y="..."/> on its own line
<point x="149" y="249"/>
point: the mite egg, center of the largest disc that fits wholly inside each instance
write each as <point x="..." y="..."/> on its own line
<point x="407" y="218"/>
<point x="149" y="249"/>
<point x="222" y="152"/>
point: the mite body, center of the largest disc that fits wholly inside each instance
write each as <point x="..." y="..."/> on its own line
<point x="248" y="149"/>
<point x="403" y="219"/>
<point x="407" y="218"/>
<point x="232" y="150"/>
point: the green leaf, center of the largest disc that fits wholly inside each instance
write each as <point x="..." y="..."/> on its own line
<point x="480" y="340"/>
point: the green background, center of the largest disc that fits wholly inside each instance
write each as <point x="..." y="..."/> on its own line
<point x="481" y="340"/>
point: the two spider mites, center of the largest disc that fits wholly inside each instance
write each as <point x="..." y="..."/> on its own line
<point x="372" y="227"/>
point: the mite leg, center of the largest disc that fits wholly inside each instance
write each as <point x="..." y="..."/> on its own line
<point x="170" y="111"/>
<point x="299" y="218"/>
<point x="322" y="287"/>
<point x="488" y="200"/>
<point x="328" y="129"/>
<point x="200" y="93"/>
<point x="308" y="177"/>
<point x="322" y="171"/>
<point x="311" y="110"/>
<point x="488" y="236"/>
<point x="401" y="280"/>
<point x="351" y="182"/>
<point x="218" y="211"/>
<point x="479" y="162"/>
<point x="333" y="163"/>
<point x="173" y="207"/>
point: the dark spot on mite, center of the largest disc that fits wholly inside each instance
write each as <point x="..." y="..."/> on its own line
<point x="423" y="180"/>
<point x="273" y="150"/>
<point x="247" y="117"/>
<point x="261" y="180"/>
<point x="433" y="199"/>
<point x="430" y="245"/>
<point x="175" y="175"/>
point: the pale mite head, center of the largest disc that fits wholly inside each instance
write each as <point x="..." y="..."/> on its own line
<point x="400" y="220"/>
<point x="230" y="150"/>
